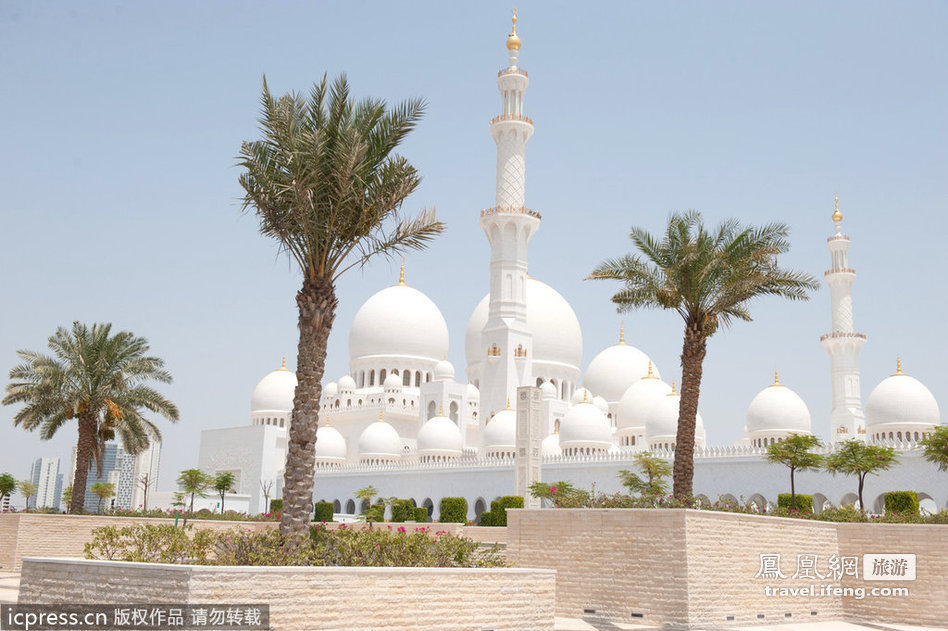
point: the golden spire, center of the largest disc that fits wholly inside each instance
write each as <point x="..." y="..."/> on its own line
<point x="650" y="375"/>
<point x="584" y="394"/>
<point x="401" y="274"/>
<point x="776" y="379"/>
<point x="328" y="424"/>
<point x="508" y="403"/>
<point x="441" y="410"/>
<point x="380" y="416"/>
<point x="898" y="367"/>
<point x="283" y="365"/>
<point x="513" y="42"/>
<point x="837" y="216"/>
<point x="672" y="393"/>
<point x="622" y="333"/>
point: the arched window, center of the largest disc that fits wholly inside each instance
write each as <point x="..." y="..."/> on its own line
<point x="406" y="378"/>
<point x="453" y="411"/>
<point x="432" y="409"/>
<point x="372" y="377"/>
<point x="381" y="376"/>
<point x="348" y="403"/>
<point x="417" y="378"/>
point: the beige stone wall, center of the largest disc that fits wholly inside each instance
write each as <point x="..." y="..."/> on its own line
<point x="343" y="599"/>
<point x="927" y="600"/>
<point x="9" y="523"/>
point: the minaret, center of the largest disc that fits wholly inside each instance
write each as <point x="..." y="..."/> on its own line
<point x="843" y="343"/>
<point x="506" y="343"/>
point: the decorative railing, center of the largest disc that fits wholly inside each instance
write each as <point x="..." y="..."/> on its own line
<point x="511" y="117"/>
<point x="842" y="334"/>
<point x="513" y="70"/>
<point x="521" y="210"/>
<point x="840" y="270"/>
<point x="837" y="237"/>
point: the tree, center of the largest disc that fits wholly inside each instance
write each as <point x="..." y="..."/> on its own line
<point x="145" y="482"/>
<point x="7" y="486"/>
<point x="936" y="447"/>
<point x="326" y="184"/>
<point x="66" y="498"/>
<point x="367" y="494"/>
<point x="28" y="490"/>
<point x="794" y="452"/>
<point x="655" y="469"/>
<point x="194" y="482"/>
<point x="855" y="457"/>
<point x="266" y="487"/>
<point x="103" y="491"/>
<point x="97" y="378"/>
<point x="709" y="278"/>
<point x="223" y="484"/>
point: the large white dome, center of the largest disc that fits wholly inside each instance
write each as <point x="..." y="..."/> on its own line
<point x="557" y="337"/>
<point x="612" y="371"/>
<point x="638" y="400"/>
<point x="901" y="400"/>
<point x="274" y="393"/>
<point x="399" y="321"/>
<point x="379" y="441"/>
<point x="550" y="446"/>
<point x="330" y="445"/>
<point x="777" y="408"/>
<point x="501" y="432"/>
<point x="439" y="436"/>
<point x="585" y="425"/>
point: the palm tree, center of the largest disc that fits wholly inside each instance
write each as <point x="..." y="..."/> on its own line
<point x="103" y="491"/>
<point x="97" y="378"/>
<point x="709" y="278"/>
<point x="223" y="483"/>
<point x="326" y="184"/>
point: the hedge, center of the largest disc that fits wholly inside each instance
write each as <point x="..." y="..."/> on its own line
<point x="901" y="502"/>
<point x="376" y="512"/>
<point x="498" y="508"/>
<point x="323" y="511"/>
<point x="487" y="519"/>
<point x="453" y="510"/>
<point x="421" y="514"/>
<point x="276" y="506"/>
<point x="402" y="510"/>
<point x="804" y="502"/>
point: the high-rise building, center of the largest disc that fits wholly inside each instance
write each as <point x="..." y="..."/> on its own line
<point x="46" y="476"/>
<point x="125" y="471"/>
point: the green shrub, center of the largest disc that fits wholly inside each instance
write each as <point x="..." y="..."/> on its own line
<point x="804" y="502"/>
<point x="901" y="502"/>
<point x="376" y="512"/>
<point x="204" y="513"/>
<point x="487" y="519"/>
<point x="421" y="514"/>
<point x="498" y="508"/>
<point x="276" y="506"/>
<point x="323" y="511"/>
<point x="150" y="543"/>
<point x="402" y="510"/>
<point x="453" y="510"/>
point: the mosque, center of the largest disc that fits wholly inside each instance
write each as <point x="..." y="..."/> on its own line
<point x="403" y="421"/>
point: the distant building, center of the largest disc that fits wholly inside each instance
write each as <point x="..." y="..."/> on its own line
<point x="124" y="470"/>
<point x="46" y="475"/>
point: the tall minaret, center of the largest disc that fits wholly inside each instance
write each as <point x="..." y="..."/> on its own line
<point x="506" y="342"/>
<point x="843" y="343"/>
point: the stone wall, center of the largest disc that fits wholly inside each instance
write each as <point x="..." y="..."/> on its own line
<point x="342" y="599"/>
<point x="664" y="566"/>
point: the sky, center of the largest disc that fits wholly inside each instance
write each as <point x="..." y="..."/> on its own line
<point x="119" y="199"/>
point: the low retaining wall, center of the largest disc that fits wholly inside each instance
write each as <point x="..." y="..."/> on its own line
<point x="46" y="535"/>
<point x="343" y="599"/>
<point x="686" y="567"/>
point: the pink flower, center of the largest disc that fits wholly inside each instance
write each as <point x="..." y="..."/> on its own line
<point x="400" y="529"/>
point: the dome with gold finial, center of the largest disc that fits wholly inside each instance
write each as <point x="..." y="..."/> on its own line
<point x="901" y="404"/>
<point x="273" y="395"/>
<point x="775" y="413"/>
<point x="513" y="42"/>
<point x="613" y="370"/>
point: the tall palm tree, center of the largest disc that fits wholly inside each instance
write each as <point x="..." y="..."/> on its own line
<point x="97" y="378"/>
<point x="325" y="182"/>
<point x="709" y="278"/>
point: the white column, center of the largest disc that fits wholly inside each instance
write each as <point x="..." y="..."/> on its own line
<point x="528" y="459"/>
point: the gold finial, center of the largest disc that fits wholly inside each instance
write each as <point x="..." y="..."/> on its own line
<point x="401" y="274"/>
<point x="513" y="42"/>
<point x="508" y="403"/>
<point x="837" y="216"/>
<point x="650" y="375"/>
<point x="672" y="393"/>
<point x="776" y="379"/>
<point x="898" y="367"/>
<point x="441" y="410"/>
<point x="380" y="415"/>
<point x="622" y="333"/>
<point x="585" y="391"/>
<point x="328" y="424"/>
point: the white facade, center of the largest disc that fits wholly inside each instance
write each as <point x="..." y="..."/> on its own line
<point x="401" y="420"/>
<point x="45" y="474"/>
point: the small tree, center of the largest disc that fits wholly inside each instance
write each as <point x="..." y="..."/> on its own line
<point x="367" y="494"/>
<point x="266" y="487"/>
<point x="223" y="484"/>
<point x="854" y="457"/>
<point x="794" y="452"/>
<point x="655" y="469"/>
<point x="102" y="491"/>
<point x="936" y="447"/>
<point x="194" y="482"/>
<point x="28" y="489"/>
<point x="145" y="482"/>
<point x="66" y="498"/>
<point x="562" y="494"/>
<point x="7" y="485"/>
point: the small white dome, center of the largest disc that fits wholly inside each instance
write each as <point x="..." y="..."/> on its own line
<point x="638" y="401"/>
<point x="901" y="400"/>
<point x="501" y="432"/>
<point x="585" y="425"/>
<point x="439" y="436"/>
<point x="472" y="393"/>
<point x="331" y="389"/>
<point x="398" y="321"/>
<point x="444" y="371"/>
<point x="662" y="422"/>
<point x="330" y="445"/>
<point x="581" y="395"/>
<point x="346" y="384"/>
<point x="601" y="403"/>
<point x="612" y="371"/>
<point x="548" y="390"/>
<point x="392" y="382"/>
<point x="550" y="446"/>
<point x="274" y="393"/>
<point x="777" y="408"/>
<point x="379" y="441"/>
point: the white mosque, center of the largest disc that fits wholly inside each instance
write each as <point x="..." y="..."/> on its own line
<point x="403" y="421"/>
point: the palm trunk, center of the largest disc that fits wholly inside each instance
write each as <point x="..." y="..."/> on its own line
<point x="87" y="428"/>
<point x="793" y="492"/>
<point x="317" y="310"/>
<point x="692" y="357"/>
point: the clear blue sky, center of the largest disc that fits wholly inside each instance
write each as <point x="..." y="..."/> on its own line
<point x="120" y="123"/>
